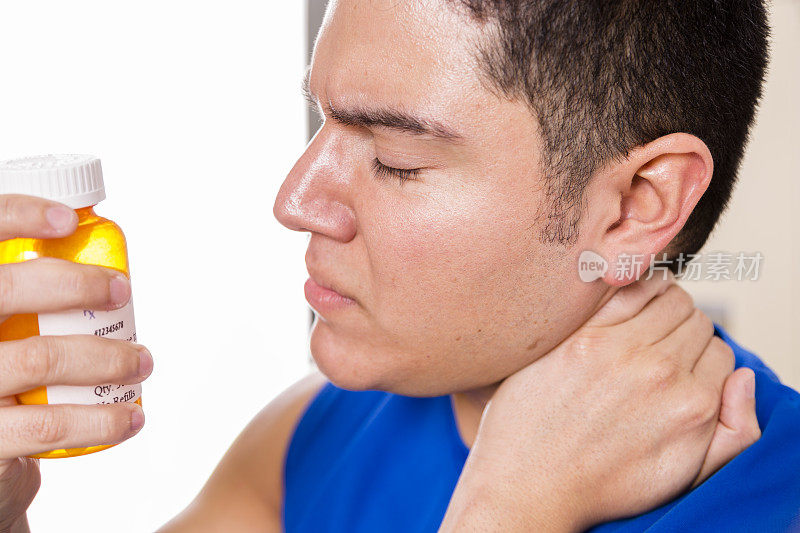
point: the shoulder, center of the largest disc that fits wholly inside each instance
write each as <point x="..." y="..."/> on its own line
<point x="759" y="486"/>
<point x="333" y="421"/>
<point x="258" y="453"/>
<point x="246" y="487"/>
<point x="743" y="356"/>
<point x="771" y="394"/>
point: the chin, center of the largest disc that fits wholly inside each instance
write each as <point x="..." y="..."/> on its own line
<point x="357" y="366"/>
<point x="344" y="377"/>
<point x="361" y="368"/>
<point x="359" y="373"/>
<point x="344" y="366"/>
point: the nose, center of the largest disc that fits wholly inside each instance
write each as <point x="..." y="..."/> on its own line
<point x="314" y="196"/>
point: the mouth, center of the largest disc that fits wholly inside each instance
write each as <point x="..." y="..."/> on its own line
<point x="322" y="282"/>
<point x="325" y="299"/>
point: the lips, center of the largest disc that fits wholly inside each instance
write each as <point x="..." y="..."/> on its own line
<point x="322" y="282"/>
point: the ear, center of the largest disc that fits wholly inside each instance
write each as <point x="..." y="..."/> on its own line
<point x="653" y="192"/>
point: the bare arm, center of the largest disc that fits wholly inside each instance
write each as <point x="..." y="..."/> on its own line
<point x="245" y="491"/>
<point x="21" y="525"/>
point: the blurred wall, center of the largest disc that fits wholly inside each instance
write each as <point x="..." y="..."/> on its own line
<point x="764" y="315"/>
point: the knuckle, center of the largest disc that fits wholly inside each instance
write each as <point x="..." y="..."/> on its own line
<point x="8" y="209"/>
<point x="701" y="408"/>
<point x="681" y="298"/>
<point x="74" y="281"/>
<point x="8" y="285"/>
<point x="592" y="342"/>
<point x="747" y="435"/>
<point x="583" y="345"/>
<point x="112" y="424"/>
<point x="722" y="350"/>
<point x="38" y="359"/>
<point x="754" y="433"/>
<point x="47" y="426"/>
<point x="706" y="324"/>
<point x="663" y="374"/>
<point x="122" y="360"/>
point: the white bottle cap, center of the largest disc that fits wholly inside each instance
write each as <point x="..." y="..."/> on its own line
<point x="74" y="180"/>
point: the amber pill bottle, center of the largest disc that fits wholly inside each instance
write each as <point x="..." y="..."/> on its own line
<point x="77" y="181"/>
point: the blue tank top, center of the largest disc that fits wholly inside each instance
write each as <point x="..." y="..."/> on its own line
<point x="374" y="461"/>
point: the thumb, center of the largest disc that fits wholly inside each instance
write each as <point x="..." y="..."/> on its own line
<point x="737" y="427"/>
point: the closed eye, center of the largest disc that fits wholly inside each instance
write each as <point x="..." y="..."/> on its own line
<point x="383" y="172"/>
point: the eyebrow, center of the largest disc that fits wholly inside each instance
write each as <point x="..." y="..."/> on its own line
<point x="383" y="117"/>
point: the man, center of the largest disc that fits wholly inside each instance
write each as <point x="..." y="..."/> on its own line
<point x="470" y="152"/>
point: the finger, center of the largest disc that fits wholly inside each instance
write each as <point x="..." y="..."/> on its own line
<point x="664" y="314"/>
<point x="31" y="429"/>
<point x="8" y="400"/>
<point x="48" y="284"/>
<point x="714" y="365"/>
<point x="628" y="301"/>
<point x="738" y="425"/>
<point x="71" y="360"/>
<point x="30" y="216"/>
<point x="689" y="341"/>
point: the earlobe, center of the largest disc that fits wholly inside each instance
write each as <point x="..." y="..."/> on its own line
<point x="624" y="268"/>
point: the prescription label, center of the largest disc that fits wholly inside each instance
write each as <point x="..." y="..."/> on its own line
<point x="115" y="324"/>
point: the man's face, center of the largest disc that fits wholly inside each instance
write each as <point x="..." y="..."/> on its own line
<point x="453" y="288"/>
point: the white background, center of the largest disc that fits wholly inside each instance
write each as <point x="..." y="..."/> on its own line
<point x="196" y="113"/>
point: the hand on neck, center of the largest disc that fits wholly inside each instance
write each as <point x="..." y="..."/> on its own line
<point x="468" y="405"/>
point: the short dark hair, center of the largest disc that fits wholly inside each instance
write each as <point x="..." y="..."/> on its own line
<point x="605" y="76"/>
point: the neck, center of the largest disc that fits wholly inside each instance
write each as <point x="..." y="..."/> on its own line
<point x="468" y="405"/>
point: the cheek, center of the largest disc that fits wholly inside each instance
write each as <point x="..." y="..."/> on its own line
<point x="444" y="262"/>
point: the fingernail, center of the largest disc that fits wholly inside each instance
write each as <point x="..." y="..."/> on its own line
<point x="750" y="386"/>
<point x="119" y="290"/>
<point x="60" y="217"/>
<point x="137" y="419"/>
<point x="145" y="362"/>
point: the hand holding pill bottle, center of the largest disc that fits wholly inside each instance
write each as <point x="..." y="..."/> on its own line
<point x="76" y="181"/>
